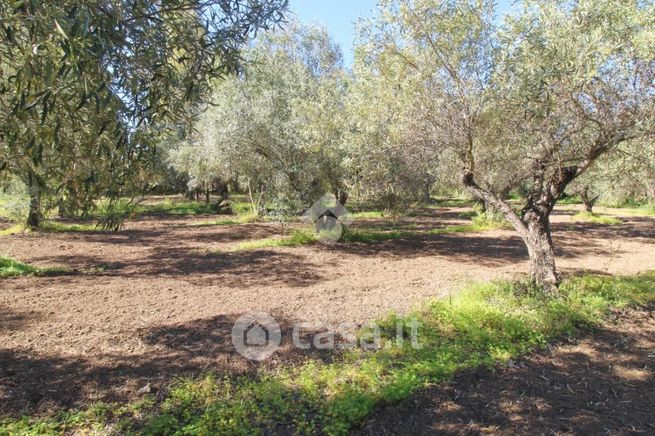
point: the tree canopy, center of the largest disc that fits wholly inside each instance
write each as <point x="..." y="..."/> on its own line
<point x="444" y="94"/>
<point x="99" y="79"/>
<point x="277" y="126"/>
<point x="540" y="97"/>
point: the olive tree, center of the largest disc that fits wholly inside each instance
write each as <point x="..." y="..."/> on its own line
<point x="278" y="125"/>
<point x="392" y="158"/>
<point x="554" y="88"/>
<point x="627" y="174"/>
<point x="125" y="71"/>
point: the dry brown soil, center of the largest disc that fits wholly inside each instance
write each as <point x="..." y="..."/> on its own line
<point x="601" y="384"/>
<point x="158" y="299"/>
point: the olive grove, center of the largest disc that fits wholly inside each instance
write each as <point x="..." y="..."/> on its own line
<point x="105" y="98"/>
<point x="540" y="97"/>
<point x="277" y="126"/>
<point x="87" y="88"/>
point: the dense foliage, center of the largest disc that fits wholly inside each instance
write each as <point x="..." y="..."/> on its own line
<point x="554" y="99"/>
<point x="87" y="87"/>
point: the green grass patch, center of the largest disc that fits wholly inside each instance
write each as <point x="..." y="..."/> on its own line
<point x="51" y="227"/>
<point x="373" y="235"/>
<point x="588" y="217"/>
<point x="93" y="420"/>
<point x="368" y="214"/>
<point x="13" y="230"/>
<point x="570" y="199"/>
<point x="487" y="221"/>
<point x="190" y="207"/>
<point x="170" y="207"/>
<point x="643" y="210"/>
<point x="468" y="215"/>
<point x="296" y="238"/>
<point x="454" y="202"/>
<point x="60" y="227"/>
<point x="12" y="268"/>
<point x="241" y="219"/>
<point x="241" y="208"/>
<point x="211" y="223"/>
<point x="368" y="235"/>
<point x="486" y="324"/>
<point x="649" y="209"/>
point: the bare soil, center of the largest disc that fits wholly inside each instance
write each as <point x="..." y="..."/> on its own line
<point x="601" y="384"/>
<point x="158" y="299"/>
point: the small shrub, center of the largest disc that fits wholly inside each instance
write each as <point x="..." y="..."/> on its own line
<point x="113" y="212"/>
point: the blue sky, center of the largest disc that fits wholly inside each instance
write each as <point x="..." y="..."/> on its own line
<point x="339" y="16"/>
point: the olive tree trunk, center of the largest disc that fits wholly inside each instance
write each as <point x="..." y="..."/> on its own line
<point x="533" y="223"/>
<point x="534" y="229"/>
<point x="651" y="192"/>
<point x="482" y="205"/>
<point x="34" y="215"/>
<point x="341" y="196"/>
<point x="588" y="200"/>
<point x="539" y="243"/>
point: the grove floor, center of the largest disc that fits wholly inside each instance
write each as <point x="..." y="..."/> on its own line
<point x="158" y="299"/>
<point x="600" y="384"/>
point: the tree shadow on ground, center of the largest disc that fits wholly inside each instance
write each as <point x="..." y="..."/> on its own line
<point x="184" y="251"/>
<point x="183" y="235"/>
<point x="11" y="320"/>
<point x="31" y="383"/>
<point x="294" y="267"/>
<point x="501" y="248"/>
<point x="245" y="268"/>
<point x="603" y="383"/>
<point x="632" y="228"/>
<point x="427" y="220"/>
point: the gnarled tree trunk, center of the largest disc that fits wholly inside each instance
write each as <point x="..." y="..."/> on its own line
<point x="426" y="193"/>
<point x="548" y="185"/>
<point x="651" y="192"/>
<point x="34" y="216"/>
<point x="341" y="196"/>
<point x="588" y="200"/>
<point x="537" y="239"/>
<point x="533" y="227"/>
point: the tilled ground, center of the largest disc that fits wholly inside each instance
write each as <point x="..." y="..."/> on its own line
<point x="601" y="384"/>
<point x="159" y="299"/>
